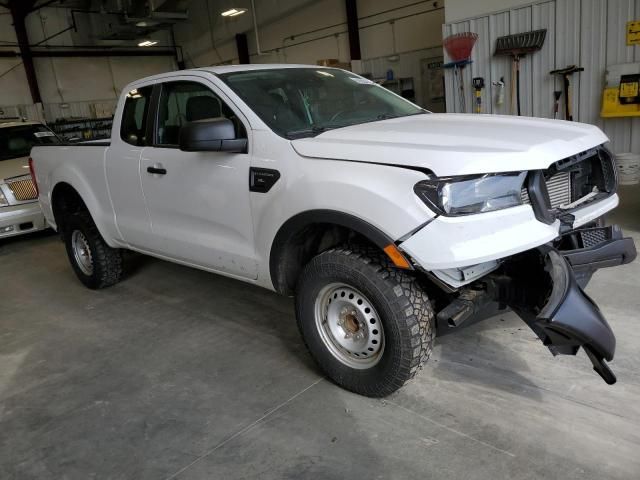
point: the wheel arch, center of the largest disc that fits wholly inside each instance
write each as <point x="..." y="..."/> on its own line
<point x="66" y="200"/>
<point x="308" y="233"/>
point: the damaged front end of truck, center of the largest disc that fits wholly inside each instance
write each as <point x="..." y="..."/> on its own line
<point x="544" y="285"/>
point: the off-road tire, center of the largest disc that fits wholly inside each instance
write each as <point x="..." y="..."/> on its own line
<point x="107" y="261"/>
<point x="404" y="308"/>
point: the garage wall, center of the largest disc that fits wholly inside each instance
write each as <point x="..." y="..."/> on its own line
<point x="587" y="33"/>
<point x="298" y="31"/>
<point x="394" y="34"/>
<point x="464" y="9"/>
<point x="70" y="86"/>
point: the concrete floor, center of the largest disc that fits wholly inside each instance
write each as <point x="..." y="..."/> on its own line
<point x="176" y="373"/>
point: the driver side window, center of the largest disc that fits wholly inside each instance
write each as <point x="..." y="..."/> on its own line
<point x="182" y="102"/>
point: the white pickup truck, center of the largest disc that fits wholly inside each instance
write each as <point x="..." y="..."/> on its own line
<point x="388" y="223"/>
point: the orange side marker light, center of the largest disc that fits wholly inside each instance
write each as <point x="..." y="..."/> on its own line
<point x="397" y="257"/>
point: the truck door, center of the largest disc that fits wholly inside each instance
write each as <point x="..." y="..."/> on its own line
<point x="198" y="201"/>
<point x="122" y="167"/>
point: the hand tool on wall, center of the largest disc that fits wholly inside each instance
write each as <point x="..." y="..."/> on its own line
<point x="500" y="95"/>
<point x="517" y="46"/>
<point x="556" y="103"/>
<point x="566" y="75"/>
<point x="478" y="85"/>
<point x="458" y="47"/>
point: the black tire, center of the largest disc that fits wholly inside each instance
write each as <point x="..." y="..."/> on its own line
<point x="106" y="261"/>
<point x="403" y="308"/>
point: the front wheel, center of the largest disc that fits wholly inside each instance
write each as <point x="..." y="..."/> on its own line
<point x="369" y="326"/>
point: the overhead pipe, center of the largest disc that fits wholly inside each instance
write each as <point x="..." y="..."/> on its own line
<point x="255" y="28"/>
<point x="97" y="52"/>
<point x="342" y="32"/>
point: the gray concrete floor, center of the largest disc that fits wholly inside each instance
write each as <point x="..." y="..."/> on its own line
<point x="176" y="373"/>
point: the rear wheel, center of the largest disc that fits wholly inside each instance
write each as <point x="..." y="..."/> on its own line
<point x="95" y="263"/>
<point x="369" y="326"/>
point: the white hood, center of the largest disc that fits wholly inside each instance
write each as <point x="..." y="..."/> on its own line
<point x="13" y="167"/>
<point x="456" y="144"/>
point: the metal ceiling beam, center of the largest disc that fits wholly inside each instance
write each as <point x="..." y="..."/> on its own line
<point x="353" y="29"/>
<point x="52" y="53"/>
<point x="19" y="10"/>
<point x="105" y="53"/>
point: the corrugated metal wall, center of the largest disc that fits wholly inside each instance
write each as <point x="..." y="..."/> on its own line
<point x="587" y="33"/>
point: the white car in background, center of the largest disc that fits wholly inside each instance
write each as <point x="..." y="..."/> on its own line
<point x="19" y="209"/>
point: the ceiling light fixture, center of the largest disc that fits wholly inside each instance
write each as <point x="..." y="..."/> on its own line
<point x="147" y="23"/>
<point x="147" y="43"/>
<point x="234" y="12"/>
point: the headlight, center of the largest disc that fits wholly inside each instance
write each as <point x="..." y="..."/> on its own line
<point x="467" y="195"/>
<point x="3" y="199"/>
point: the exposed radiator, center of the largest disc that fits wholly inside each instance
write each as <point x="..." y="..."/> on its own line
<point x="559" y="188"/>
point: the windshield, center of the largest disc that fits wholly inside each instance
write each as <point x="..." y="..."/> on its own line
<point x="299" y="102"/>
<point x="16" y="142"/>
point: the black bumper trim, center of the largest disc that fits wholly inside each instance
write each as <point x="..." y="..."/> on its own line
<point x="612" y="252"/>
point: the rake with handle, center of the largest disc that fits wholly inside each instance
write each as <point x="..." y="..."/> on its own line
<point x="517" y="46"/>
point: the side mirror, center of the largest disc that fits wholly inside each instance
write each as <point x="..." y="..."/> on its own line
<point x="211" y="135"/>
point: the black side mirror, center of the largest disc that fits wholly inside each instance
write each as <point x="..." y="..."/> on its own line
<point x="211" y="135"/>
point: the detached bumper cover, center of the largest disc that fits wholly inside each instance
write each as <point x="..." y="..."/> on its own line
<point x="570" y="320"/>
<point x="543" y="286"/>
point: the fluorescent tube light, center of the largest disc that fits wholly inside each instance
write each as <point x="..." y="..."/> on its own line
<point x="233" y="12"/>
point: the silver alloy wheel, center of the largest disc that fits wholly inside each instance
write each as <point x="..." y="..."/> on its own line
<point x="82" y="252"/>
<point x="349" y="326"/>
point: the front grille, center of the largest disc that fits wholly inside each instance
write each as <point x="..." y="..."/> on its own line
<point x="589" y="174"/>
<point x="559" y="188"/>
<point x="23" y="190"/>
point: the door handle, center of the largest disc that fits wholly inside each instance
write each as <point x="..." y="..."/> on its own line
<point x="157" y="170"/>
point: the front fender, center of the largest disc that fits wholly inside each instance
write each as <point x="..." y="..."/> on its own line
<point x="380" y="195"/>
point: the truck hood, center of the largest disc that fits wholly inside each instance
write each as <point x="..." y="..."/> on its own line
<point x="456" y="144"/>
<point x="14" y="167"/>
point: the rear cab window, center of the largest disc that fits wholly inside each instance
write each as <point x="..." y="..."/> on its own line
<point x="133" y="126"/>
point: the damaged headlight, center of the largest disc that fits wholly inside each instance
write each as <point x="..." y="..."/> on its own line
<point x="467" y="195"/>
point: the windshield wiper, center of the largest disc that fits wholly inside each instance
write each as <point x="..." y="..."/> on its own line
<point x="312" y="131"/>
<point x="318" y="129"/>
<point x="388" y="116"/>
